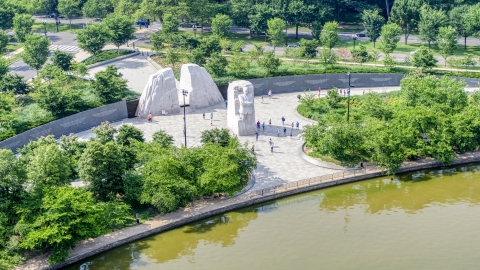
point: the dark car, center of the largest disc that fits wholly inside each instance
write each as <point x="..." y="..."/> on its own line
<point x="361" y="34"/>
<point x="141" y="22"/>
<point x="53" y="15"/>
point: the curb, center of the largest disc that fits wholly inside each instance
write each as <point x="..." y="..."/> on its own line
<point x="319" y="163"/>
<point x="111" y="60"/>
<point x="153" y="63"/>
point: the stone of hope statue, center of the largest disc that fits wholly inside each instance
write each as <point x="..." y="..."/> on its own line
<point x="241" y="112"/>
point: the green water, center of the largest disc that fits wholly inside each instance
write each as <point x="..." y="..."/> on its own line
<point x="424" y="220"/>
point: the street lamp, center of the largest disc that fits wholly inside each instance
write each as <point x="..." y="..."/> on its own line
<point x="354" y="39"/>
<point x="45" y="27"/>
<point x="194" y="30"/>
<point x="349" y="85"/>
<point x="184" y="93"/>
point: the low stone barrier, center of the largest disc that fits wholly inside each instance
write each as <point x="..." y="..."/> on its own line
<point x="134" y="53"/>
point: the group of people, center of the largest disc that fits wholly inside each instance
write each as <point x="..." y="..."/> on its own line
<point x="261" y="125"/>
<point x="149" y="117"/>
<point x="343" y="92"/>
<point x="211" y="118"/>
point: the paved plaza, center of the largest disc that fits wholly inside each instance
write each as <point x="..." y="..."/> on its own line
<point x="284" y="165"/>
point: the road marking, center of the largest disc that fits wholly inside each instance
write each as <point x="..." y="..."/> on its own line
<point x="65" y="48"/>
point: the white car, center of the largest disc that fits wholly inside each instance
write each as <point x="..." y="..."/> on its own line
<point x="292" y="46"/>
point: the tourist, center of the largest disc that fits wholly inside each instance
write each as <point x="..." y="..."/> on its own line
<point x="203" y="116"/>
<point x="256" y="135"/>
<point x="211" y="116"/>
<point x="270" y="93"/>
<point x="363" y="92"/>
<point x="319" y="91"/>
<point x="291" y="133"/>
<point x="262" y="99"/>
<point x="271" y="148"/>
<point x="226" y="103"/>
<point x="149" y="117"/>
<point x="270" y="122"/>
<point x="263" y="126"/>
<point x="298" y="125"/>
<point x="293" y="125"/>
<point x="285" y="132"/>
<point x="270" y="142"/>
<point x="211" y="122"/>
<point x="139" y="117"/>
<point x="283" y="121"/>
<point x="253" y="147"/>
<point x="278" y="132"/>
<point x="258" y="124"/>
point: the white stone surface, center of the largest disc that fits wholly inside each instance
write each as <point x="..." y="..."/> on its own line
<point x="202" y="91"/>
<point x="160" y="94"/>
<point x="241" y="109"/>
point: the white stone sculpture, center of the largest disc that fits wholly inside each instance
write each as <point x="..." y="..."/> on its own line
<point x="202" y="91"/>
<point x="241" y="108"/>
<point x="160" y="95"/>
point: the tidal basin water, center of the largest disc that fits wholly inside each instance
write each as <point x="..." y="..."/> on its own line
<point x="423" y="220"/>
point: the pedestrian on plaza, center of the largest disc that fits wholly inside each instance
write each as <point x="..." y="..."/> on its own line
<point x="293" y="125"/>
<point x="340" y="91"/>
<point x="291" y="133"/>
<point x="271" y="148"/>
<point x="270" y="122"/>
<point x="139" y="117"/>
<point x="262" y="99"/>
<point x="363" y="91"/>
<point x="319" y="91"/>
<point x="203" y="116"/>
<point x="258" y="124"/>
<point x="263" y="126"/>
<point x="226" y="103"/>
<point x="298" y="125"/>
<point x="211" y="116"/>
<point x="211" y="122"/>
<point x="278" y="132"/>
<point x="285" y="132"/>
<point x="149" y="117"/>
<point x="270" y="93"/>
<point x="256" y="135"/>
<point x="253" y="147"/>
<point x="283" y="121"/>
<point x="270" y="142"/>
<point x="137" y="217"/>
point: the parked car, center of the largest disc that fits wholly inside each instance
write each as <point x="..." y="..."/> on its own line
<point x="361" y="34"/>
<point x="53" y="15"/>
<point x="141" y="22"/>
<point x="292" y="46"/>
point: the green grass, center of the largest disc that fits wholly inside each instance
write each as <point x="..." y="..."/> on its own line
<point x="106" y="55"/>
<point x="15" y="58"/>
<point x="51" y="27"/>
<point x="14" y="47"/>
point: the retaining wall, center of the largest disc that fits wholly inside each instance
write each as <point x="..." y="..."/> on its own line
<point x="70" y="124"/>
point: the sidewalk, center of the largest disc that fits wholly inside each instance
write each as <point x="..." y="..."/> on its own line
<point x="81" y="56"/>
<point x="13" y="54"/>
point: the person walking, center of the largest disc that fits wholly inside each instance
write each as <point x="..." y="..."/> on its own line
<point x="211" y="116"/>
<point x="262" y="99"/>
<point x="319" y="91"/>
<point x="211" y="122"/>
<point x="271" y="148"/>
<point x="256" y="135"/>
<point x="291" y="133"/>
<point x="270" y="142"/>
<point x="226" y="103"/>
<point x="285" y="132"/>
<point x="270" y="122"/>
<point x="270" y="93"/>
<point x="258" y="124"/>
<point x="149" y="117"/>
<point x="263" y="126"/>
<point x="278" y="132"/>
<point x="253" y="147"/>
<point x="139" y="117"/>
<point x="293" y="125"/>
<point x="203" y="116"/>
<point x="298" y="125"/>
<point x="283" y="121"/>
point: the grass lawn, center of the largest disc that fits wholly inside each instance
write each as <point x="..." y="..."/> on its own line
<point x="14" y="47"/>
<point x="106" y="55"/>
<point x="51" y="27"/>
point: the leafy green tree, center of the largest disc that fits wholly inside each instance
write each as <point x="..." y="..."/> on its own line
<point x="51" y="72"/>
<point x="172" y="57"/>
<point x="14" y="83"/>
<point x="73" y="149"/>
<point x="238" y="65"/>
<point x="360" y="55"/>
<point x="372" y="22"/>
<point x="126" y="133"/>
<point x="430" y="22"/>
<point x="196" y="56"/>
<point x="102" y="167"/>
<point x="126" y="7"/>
<point x="270" y="62"/>
<point x="217" y="65"/>
<point x="424" y="59"/>
<point x="169" y="24"/>
<point x="317" y="27"/>
<point x="93" y="38"/>
<point x="293" y="53"/>
<point x="22" y="26"/>
<point x="120" y="29"/>
<point x="62" y="60"/>
<point x="296" y="10"/>
<point x="4" y="38"/>
<point x="237" y="46"/>
<point x="275" y="32"/>
<point x="4" y="68"/>
<point x="48" y="166"/>
<point x="79" y="69"/>
<point x="327" y="56"/>
<point x="329" y="37"/>
<point x="69" y="9"/>
<point x="162" y="139"/>
<point x="406" y="13"/>
<point x="447" y="42"/>
<point x="69" y="215"/>
<point x="6" y="17"/>
<point x="97" y="8"/>
<point x="104" y="133"/>
<point x="308" y="48"/>
<point x="467" y="60"/>
<point x="459" y="21"/>
<point x="109" y="85"/>
<point x="259" y="17"/>
<point x="216" y="136"/>
<point x="210" y="45"/>
<point x="389" y="61"/>
<point x="50" y="97"/>
<point x="390" y="36"/>
<point x="221" y="25"/>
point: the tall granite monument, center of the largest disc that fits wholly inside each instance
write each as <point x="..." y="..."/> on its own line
<point x="241" y="109"/>
<point x="160" y="94"/>
<point x="202" y="91"/>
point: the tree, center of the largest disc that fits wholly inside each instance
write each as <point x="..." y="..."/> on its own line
<point x="372" y="22"/>
<point x="389" y="61"/>
<point x="329" y="37"/>
<point x="390" y="36"/>
<point x="51" y="98"/>
<point x="6" y="17"/>
<point x="259" y="19"/>
<point x="14" y="83"/>
<point x="294" y="53"/>
<point x="467" y="60"/>
<point x="102" y="167"/>
<point x="430" y="22"/>
<point x="210" y="45"/>
<point x="270" y="62"/>
<point x="238" y="65"/>
<point x="275" y="32"/>
<point x="169" y="25"/>
<point x="316" y="29"/>
<point x="120" y="29"/>
<point x="360" y="55"/>
<point x="97" y="8"/>
<point x="459" y="21"/>
<point x="79" y="69"/>
<point x="424" y="59"/>
<point x="48" y="166"/>
<point x="4" y="68"/>
<point x="36" y="51"/>
<point x="196" y="56"/>
<point x="327" y="56"/>
<point x="69" y="9"/>
<point x="4" y="38"/>
<point x="162" y="139"/>
<point x="308" y="48"/>
<point x="126" y="133"/>
<point x="296" y="10"/>
<point x="172" y="57"/>
<point x="217" y="65"/>
<point x="62" y="60"/>
<point x="406" y="13"/>
<point x="22" y="26"/>
<point x="104" y="133"/>
<point x="93" y="38"/>
<point x="472" y="20"/>
<point x="109" y="85"/>
<point x="216" y="136"/>
<point x="447" y="42"/>
<point x="221" y="25"/>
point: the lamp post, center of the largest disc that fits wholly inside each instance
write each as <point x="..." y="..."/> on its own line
<point x="349" y="85"/>
<point x="354" y="39"/>
<point x="45" y="27"/>
<point x="184" y="93"/>
<point x="194" y="30"/>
